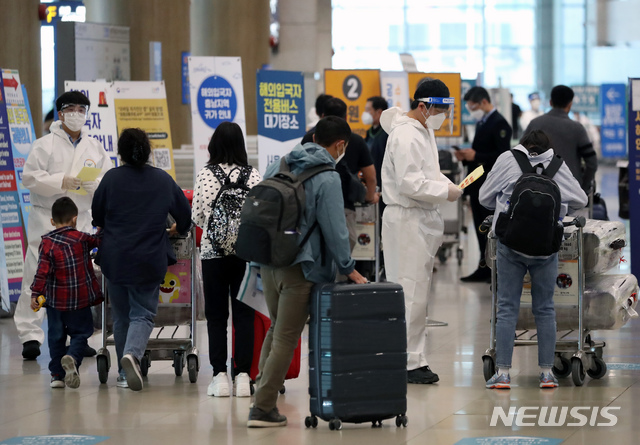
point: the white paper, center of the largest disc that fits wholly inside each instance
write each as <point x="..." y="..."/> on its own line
<point x="251" y="292"/>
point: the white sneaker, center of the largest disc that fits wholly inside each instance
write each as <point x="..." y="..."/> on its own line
<point x="71" y="377"/>
<point x="121" y="382"/>
<point x="219" y="386"/>
<point x="242" y="385"/>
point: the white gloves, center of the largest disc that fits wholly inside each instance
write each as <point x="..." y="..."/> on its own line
<point x="71" y="183"/>
<point x="454" y="193"/>
<point x="90" y="186"/>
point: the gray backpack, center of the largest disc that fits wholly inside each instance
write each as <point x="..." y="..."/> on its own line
<point x="271" y="216"/>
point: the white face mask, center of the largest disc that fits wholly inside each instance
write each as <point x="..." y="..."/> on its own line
<point x="340" y="156"/>
<point x="476" y="114"/>
<point x="535" y="104"/>
<point x="74" y="121"/>
<point x="367" y="118"/>
<point x="434" y="121"/>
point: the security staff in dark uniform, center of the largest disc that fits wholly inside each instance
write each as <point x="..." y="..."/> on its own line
<point x="492" y="138"/>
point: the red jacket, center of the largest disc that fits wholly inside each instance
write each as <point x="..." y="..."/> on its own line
<point x="65" y="273"/>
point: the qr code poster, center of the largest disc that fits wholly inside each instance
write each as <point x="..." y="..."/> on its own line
<point x="144" y="105"/>
<point x="162" y="158"/>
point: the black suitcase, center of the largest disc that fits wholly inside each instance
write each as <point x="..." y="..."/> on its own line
<point x="357" y="354"/>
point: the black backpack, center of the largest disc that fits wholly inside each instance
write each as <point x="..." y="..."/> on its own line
<point x="222" y="228"/>
<point x="531" y="225"/>
<point x="271" y="216"/>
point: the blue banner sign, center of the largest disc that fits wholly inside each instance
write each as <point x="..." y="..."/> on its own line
<point x="634" y="173"/>
<point x="613" y="124"/>
<point x="280" y="104"/>
<point x="281" y="114"/>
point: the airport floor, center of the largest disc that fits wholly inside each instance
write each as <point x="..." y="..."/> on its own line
<point x="457" y="409"/>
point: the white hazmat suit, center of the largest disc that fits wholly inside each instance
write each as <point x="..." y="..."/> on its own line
<point x="412" y="228"/>
<point x="51" y="159"/>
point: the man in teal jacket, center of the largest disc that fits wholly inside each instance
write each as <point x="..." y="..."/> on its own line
<point x="287" y="290"/>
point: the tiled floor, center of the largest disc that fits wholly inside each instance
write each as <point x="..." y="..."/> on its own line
<point x="171" y="410"/>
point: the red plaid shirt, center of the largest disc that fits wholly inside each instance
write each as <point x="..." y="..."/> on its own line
<point x="65" y="273"/>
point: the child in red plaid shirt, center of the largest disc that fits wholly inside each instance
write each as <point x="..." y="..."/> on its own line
<point x="66" y="278"/>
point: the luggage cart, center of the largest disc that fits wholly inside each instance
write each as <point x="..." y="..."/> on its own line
<point x="181" y="310"/>
<point x="573" y="356"/>
<point x="452" y="212"/>
<point x="367" y="248"/>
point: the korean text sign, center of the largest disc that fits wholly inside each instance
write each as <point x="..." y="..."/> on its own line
<point x="101" y="119"/>
<point x="613" y="129"/>
<point x="281" y="114"/>
<point x="217" y="96"/>
<point x="354" y="87"/>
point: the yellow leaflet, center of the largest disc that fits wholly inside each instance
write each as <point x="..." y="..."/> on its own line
<point x="86" y="174"/>
<point x="472" y="177"/>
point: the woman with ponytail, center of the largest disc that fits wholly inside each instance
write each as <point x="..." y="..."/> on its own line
<point x="131" y="205"/>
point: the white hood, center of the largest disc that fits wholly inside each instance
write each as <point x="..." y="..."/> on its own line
<point x="394" y="117"/>
<point x="542" y="157"/>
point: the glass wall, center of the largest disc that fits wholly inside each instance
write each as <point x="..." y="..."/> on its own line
<point x="571" y="62"/>
<point x="494" y="37"/>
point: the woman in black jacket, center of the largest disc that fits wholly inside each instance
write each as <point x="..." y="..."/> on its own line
<point x="131" y="205"/>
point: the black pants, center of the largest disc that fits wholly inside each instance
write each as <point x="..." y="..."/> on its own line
<point x="479" y="214"/>
<point x="221" y="279"/>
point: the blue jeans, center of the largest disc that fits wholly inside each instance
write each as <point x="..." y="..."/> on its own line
<point x="76" y="324"/>
<point x="134" y="309"/>
<point x="512" y="268"/>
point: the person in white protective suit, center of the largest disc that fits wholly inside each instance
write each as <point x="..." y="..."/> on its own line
<point x="50" y="172"/>
<point x="412" y="228"/>
<point x="535" y="111"/>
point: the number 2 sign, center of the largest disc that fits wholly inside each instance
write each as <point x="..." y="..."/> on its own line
<point x="354" y="87"/>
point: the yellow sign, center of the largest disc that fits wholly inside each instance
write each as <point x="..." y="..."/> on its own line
<point x="354" y="87"/>
<point x="152" y="116"/>
<point x="453" y="82"/>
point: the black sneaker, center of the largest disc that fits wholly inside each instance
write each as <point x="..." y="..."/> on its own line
<point x="422" y="376"/>
<point x="31" y="350"/>
<point x="260" y="419"/>
<point x="89" y="352"/>
<point x="481" y="275"/>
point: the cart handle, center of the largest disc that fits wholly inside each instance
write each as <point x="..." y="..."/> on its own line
<point x="578" y="221"/>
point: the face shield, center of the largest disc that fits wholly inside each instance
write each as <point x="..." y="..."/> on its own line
<point x="440" y="112"/>
<point x="74" y="108"/>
